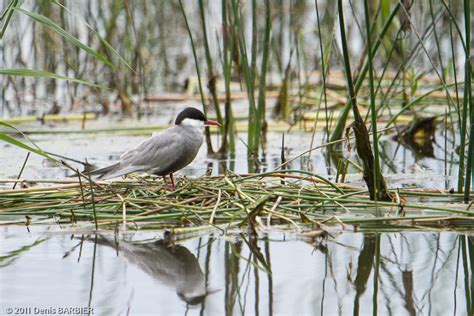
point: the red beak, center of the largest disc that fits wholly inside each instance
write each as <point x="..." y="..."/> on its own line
<point x="210" y="122"/>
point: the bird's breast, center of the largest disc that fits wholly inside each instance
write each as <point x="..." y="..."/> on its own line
<point x="188" y="149"/>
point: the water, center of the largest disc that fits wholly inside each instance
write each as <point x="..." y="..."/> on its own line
<point x="141" y="274"/>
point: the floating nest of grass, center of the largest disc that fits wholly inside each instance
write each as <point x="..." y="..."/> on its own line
<point x="289" y="197"/>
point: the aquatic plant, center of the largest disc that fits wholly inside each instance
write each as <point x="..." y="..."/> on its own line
<point x="304" y="199"/>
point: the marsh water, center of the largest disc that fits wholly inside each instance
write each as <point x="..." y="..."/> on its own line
<point x="397" y="273"/>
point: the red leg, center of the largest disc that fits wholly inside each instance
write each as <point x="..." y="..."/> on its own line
<point x="172" y="181"/>
<point x="166" y="183"/>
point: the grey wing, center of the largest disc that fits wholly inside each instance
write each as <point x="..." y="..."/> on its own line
<point x="158" y="152"/>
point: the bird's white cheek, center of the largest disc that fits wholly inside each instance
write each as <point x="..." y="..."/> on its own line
<point x="193" y="123"/>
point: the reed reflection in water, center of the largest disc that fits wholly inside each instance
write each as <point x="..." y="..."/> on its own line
<point x="400" y="273"/>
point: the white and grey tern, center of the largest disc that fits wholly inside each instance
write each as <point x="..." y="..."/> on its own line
<point x="165" y="152"/>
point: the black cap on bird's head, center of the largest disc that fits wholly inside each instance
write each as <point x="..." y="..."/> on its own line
<point x="193" y="114"/>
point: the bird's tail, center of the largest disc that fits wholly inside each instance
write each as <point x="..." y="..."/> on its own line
<point x="115" y="170"/>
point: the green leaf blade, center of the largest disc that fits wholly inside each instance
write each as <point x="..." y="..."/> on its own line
<point x="27" y="72"/>
<point x="67" y="36"/>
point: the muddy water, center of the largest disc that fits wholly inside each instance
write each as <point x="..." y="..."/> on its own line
<point x="407" y="273"/>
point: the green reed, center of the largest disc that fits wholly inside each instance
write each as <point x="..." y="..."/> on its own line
<point x="468" y="106"/>
<point x="373" y="111"/>
<point x="210" y="68"/>
<point x="341" y="121"/>
<point x="210" y="149"/>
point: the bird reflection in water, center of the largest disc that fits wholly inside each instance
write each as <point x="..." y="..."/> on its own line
<point x="170" y="264"/>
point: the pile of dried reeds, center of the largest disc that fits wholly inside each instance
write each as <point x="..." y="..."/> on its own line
<point x="258" y="200"/>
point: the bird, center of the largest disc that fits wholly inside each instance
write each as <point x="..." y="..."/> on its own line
<point x="165" y="152"/>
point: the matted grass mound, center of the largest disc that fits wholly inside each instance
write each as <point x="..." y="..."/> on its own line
<point x="284" y="197"/>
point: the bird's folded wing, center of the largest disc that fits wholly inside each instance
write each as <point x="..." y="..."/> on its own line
<point x="121" y="171"/>
<point x="159" y="151"/>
